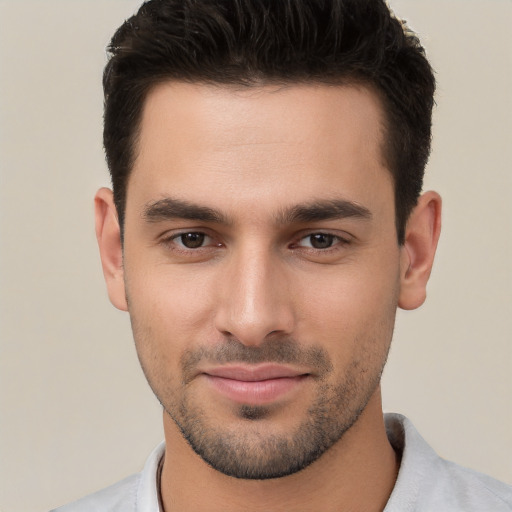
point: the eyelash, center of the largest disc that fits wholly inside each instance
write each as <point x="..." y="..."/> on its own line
<point x="171" y="242"/>
<point x="337" y="242"/>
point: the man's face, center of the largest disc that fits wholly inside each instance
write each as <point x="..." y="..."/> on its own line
<point x="261" y="267"/>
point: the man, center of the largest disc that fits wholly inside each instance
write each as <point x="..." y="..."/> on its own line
<point x="265" y="224"/>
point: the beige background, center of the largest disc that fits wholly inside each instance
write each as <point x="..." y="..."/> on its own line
<point x="76" y="413"/>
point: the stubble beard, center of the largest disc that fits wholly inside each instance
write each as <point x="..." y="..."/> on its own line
<point x="250" y="452"/>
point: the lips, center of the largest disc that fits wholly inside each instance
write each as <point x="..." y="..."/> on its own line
<point x="255" y="385"/>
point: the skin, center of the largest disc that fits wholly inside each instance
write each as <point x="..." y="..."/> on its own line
<point x="258" y="281"/>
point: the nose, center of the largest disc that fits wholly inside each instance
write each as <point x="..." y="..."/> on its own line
<point x="255" y="298"/>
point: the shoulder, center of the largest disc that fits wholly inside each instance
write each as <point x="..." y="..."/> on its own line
<point x="116" y="498"/>
<point x="426" y="482"/>
<point x="471" y="490"/>
<point x="137" y="493"/>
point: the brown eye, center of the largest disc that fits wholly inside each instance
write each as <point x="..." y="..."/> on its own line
<point x="320" y="240"/>
<point x="192" y="240"/>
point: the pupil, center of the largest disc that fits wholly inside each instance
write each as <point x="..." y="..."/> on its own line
<point x="321" y="241"/>
<point x="192" y="240"/>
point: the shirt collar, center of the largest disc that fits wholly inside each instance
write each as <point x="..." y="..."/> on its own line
<point x="148" y="491"/>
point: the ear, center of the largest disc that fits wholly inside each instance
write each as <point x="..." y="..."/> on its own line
<point x="108" y="235"/>
<point x="417" y="254"/>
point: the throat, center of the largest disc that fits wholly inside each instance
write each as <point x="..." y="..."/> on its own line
<point x="356" y="473"/>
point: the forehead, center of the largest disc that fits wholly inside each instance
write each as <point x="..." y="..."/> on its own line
<point x="273" y="143"/>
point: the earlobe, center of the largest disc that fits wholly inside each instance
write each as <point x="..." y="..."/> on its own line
<point x="108" y="234"/>
<point x="417" y="254"/>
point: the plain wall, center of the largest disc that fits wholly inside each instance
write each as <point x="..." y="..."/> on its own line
<point x="76" y="412"/>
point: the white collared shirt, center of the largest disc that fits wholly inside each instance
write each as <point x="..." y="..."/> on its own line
<point x="425" y="483"/>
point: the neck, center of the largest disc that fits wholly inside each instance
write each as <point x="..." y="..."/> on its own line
<point x="357" y="473"/>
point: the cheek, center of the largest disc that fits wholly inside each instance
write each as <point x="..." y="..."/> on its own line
<point x="165" y="312"/>
<point x="167" y="296"/>
<point x="170" y="313"/>
<point x="351" y="311"/>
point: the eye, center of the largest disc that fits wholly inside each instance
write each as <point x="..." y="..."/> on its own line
<point x="192" y="240"/>
<point x="190" y="246"/>
<point x="319" y="241"/>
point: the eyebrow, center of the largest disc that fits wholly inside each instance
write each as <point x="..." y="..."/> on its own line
<point x="170" y="208"/>
<point x="324" y="210"/>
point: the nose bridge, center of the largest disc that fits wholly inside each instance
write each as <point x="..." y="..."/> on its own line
<point x="255" y="301"/>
